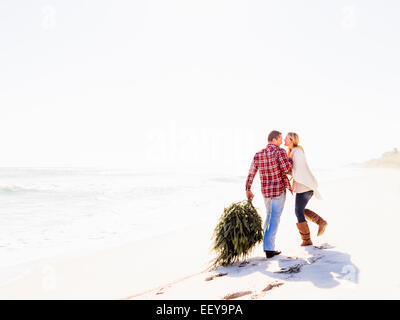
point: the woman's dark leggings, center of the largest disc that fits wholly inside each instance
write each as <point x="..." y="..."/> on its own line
<point x="301" y="202"/>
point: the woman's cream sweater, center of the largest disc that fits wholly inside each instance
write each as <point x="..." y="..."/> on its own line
<point x="303" y="178"/>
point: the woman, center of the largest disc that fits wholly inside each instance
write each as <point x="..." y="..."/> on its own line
<point x="305" y="186"/>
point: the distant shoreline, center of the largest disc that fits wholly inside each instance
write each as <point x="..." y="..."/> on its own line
<point x="389" y="159"/>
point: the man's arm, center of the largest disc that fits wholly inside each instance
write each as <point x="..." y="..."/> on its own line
<point x="285" y="163"/>
<point x="250" y="177"/>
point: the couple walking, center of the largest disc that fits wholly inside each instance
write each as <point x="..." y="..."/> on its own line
<point x="274" y="164"/>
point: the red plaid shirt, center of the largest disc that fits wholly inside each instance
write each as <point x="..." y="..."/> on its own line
<point x="274" y="165"/>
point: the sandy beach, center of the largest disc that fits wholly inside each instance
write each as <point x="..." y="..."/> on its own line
<point x="356" y="258"/>
<point x="113" y="273"/>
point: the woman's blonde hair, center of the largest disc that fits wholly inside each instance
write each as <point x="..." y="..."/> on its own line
<point x="294" y="137"/>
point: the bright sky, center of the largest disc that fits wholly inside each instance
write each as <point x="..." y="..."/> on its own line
<point x="154" y="84"/>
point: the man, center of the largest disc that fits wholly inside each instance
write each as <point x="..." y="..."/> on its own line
<point x="274" y="165"/>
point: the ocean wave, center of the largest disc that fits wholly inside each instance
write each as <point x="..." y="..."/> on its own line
<point x="23" y="189"/>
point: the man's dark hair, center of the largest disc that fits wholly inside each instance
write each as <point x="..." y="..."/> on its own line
<point x="273" y="135"/>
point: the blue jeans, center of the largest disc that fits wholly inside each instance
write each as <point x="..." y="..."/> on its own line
<point x="274" y="210"/>
<point x="301" y="202"/>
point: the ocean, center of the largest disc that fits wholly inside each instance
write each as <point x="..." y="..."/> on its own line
<point x="48" y="212"/>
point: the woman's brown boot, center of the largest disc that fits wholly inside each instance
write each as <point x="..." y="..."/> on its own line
<point x="305" y="233"/>
<point x="313" y="217"/>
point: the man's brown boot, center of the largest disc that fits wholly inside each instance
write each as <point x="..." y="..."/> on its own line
<point x="313" y="217"/>
<point x="305" y="233"/>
